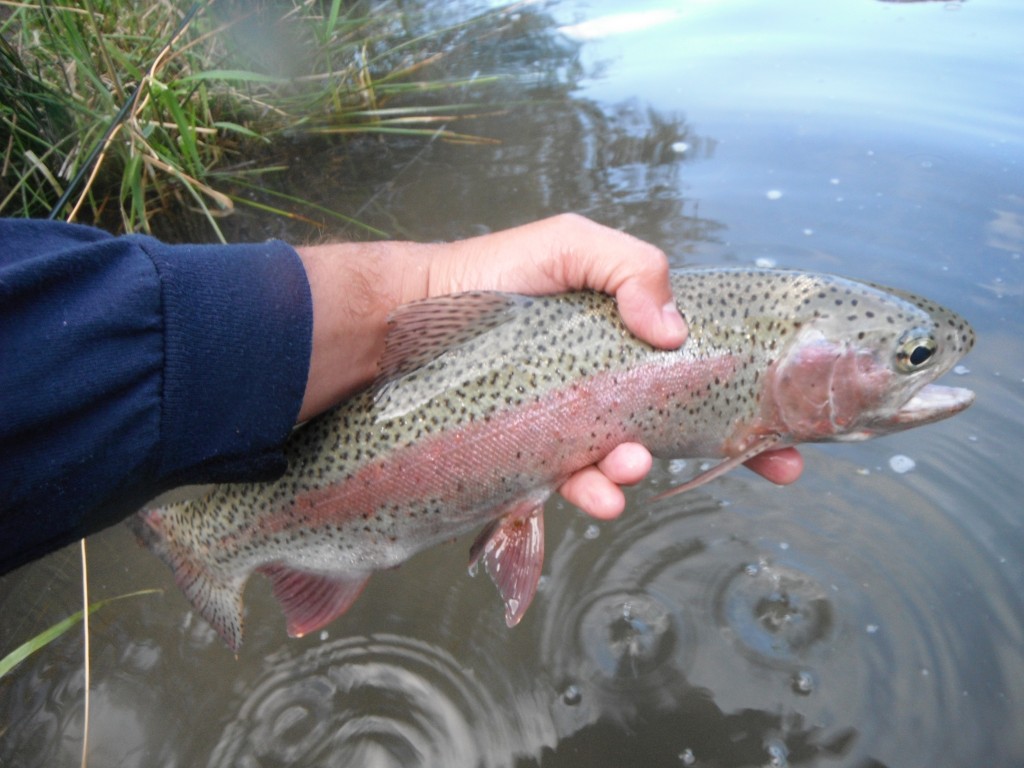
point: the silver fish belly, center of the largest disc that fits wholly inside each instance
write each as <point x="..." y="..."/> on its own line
<point x="488" y="401"/>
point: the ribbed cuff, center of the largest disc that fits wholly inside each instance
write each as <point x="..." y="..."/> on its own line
<point x="238" y="323"/>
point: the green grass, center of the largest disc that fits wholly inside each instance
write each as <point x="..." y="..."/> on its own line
<point x="44" y="638"/>
<point x="118" y="112"/>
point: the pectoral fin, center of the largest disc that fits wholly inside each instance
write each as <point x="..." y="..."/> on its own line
<point x="512" y="549"/>
<point x="312" y="600"/>
<point x="765" y="444"/>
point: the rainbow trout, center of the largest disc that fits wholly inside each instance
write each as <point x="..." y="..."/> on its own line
<point x="488" y="401"/>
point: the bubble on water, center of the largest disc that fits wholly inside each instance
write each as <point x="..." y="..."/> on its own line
<point x="763" y="262"/>
<point x="592" y="531"/>
<point x="686" y="757"/>
<point x="961" y="370"/>
<point x="901" y="464"/>
<point x="773" y="194"/>
<point x="572" y="695"/>
<point x="677" y="466"/>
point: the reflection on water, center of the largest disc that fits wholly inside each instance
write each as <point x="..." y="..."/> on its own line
<point x="865" y="617"/>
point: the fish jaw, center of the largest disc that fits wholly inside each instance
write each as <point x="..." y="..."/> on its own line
<point x="933" y="402"/>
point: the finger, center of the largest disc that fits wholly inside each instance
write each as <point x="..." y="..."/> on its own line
<point x="596" y="490"/>
<point x="780" y="467"/>
<point x="659" y="324"/>
<point x="627" y="464"/>
<point x="569" y="252"/>
<point x="635" y="272"/>
<point x="594" y="493"/>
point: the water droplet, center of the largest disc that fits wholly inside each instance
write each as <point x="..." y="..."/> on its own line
<point x="592" y="532"/>
<point x="680" y="147"/>
<point x="324" y="635"/>
<point x="773" y="194"/>
<point x="901" y="464"/>
<point x="686" y="757"/>
<point x="833" y="181"/>
<point x="808" y="232"/>
<point x="803" y="682"/>
<point x="778" y="755"/>
<point x="572" y="695"/>
<point x="763" y="262"/>
<point x="871" y="629"/>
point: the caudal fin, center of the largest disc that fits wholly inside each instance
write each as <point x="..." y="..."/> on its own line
<point x="218" y="600"/>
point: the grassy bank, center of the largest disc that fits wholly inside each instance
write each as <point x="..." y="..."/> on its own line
<point x="120" y="113"/>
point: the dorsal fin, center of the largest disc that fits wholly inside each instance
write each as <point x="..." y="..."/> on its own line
<point x="424" y="330"/>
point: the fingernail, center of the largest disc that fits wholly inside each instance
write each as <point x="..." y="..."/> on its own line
<point x="673" y="324"/>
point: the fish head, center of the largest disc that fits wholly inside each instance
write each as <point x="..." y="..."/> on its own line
<point x="865" y="367"/>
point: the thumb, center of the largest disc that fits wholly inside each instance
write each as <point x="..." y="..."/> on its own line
<point x="650" y="311"/>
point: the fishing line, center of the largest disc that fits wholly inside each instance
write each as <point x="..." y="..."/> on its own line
<point x="94" y="161"/>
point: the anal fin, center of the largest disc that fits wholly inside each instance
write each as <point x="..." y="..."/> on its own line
<point x="512" y="550"/>
<point x="312" y="600"/>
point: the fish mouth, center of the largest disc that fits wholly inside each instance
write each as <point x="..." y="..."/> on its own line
<point x="933" y="402"/>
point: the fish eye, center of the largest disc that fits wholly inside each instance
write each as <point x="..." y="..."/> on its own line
<point x="915" y="349"/>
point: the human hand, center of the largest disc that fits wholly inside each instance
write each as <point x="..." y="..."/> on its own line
<point x="356" y="286"/>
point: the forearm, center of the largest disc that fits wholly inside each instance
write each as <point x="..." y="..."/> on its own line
<point x="129" y="366"/>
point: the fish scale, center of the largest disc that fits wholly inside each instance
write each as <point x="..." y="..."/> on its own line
<point x="488" y="401"/>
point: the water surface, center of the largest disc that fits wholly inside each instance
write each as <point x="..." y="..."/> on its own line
<point x="863" y="617"/>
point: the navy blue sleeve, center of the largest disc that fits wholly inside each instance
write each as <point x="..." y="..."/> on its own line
<point x="129" y="366"/>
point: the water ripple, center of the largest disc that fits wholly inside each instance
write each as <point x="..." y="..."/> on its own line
<point x="382" y="700"/>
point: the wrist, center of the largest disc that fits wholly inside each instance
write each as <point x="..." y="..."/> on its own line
<point x="354" y="288"/>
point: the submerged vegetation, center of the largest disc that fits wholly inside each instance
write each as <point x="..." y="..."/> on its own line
<point x="119" y="113"/>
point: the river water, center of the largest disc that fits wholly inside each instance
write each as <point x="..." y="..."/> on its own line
<point x="870" y="615"/>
